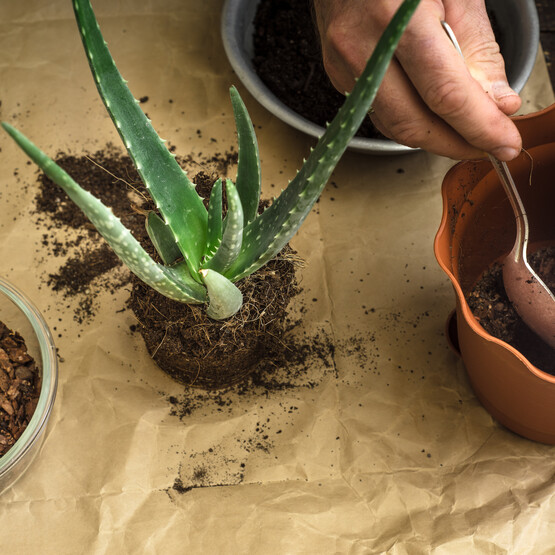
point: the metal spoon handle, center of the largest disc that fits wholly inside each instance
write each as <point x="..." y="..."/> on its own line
<point x="533" y="300"/>
<point x="522" y="228"/>
<point x="521" y="243"/>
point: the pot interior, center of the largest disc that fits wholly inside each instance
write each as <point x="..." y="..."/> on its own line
<point x="482" y="222"/>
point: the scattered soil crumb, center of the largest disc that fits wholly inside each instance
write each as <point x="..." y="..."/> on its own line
<point x="89" y="267"/>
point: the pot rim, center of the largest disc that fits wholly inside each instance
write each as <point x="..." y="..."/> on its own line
<point x="446" y="267"/>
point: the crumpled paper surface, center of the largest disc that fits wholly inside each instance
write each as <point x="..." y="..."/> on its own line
<point x="380" y="448"/>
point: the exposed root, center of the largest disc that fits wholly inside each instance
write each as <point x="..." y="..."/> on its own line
<point x="207" y="353"/>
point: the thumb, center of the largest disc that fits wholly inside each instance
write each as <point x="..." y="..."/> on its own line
<point x="483" y="56"/>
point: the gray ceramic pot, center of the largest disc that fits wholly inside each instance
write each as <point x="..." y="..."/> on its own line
<point x="517" y="20"/>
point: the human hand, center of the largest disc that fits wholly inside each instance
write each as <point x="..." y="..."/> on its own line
<point x="430" y="97"/>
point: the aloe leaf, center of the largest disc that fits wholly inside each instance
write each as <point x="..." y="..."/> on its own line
<point x="167" y="183"/>
<point x="214" y="235"/>
<point x="173" y="284"/>
<point x="162" y="238"/>
<point x="248" y="165"/>
<point x="265" y="236"/>
<point x="232" y="236"/>
<point x="225" y="298"/>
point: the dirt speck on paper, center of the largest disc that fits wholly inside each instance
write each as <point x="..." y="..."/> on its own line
<point x="88" y="268"/>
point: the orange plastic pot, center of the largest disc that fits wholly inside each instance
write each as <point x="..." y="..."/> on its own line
<point x="478" y="228"/>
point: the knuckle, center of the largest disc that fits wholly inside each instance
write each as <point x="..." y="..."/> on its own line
<point x="384" y="12"/>
<point x="447" y="99"/>
<point x="411" y="133"/>
<point x="487" y="53"/>
<point x="333" y="35"/>
<point x="340" y="41"/>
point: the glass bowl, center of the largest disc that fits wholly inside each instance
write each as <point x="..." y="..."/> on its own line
<point x="19" y="314"/>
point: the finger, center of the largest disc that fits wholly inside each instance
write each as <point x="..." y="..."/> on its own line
<point x="345" y="41"/>
<point x="401" y="115"/>
<point x="447" y="87"/>
<point x="340" y="73"/>
<point x="471" y="25"/>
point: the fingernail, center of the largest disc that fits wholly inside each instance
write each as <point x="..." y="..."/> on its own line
<point x="506" y="153"/>
<point x="501" y="89"/>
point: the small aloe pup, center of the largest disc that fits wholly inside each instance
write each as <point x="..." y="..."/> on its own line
<point x="202" y="253"/>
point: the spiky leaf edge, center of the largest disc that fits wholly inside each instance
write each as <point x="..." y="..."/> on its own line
<point x="174" y="283"/>
<point x="248" y="180"/>
<point x="265" y="236"/>
<point x="232" y="237"/>
<point x="162" y="239"/>
<point x="172" y="191"/>
<point x="215" y="227"/>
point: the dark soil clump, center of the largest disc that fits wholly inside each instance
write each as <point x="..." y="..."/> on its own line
<point x="198" y="351"/>
<point x="79" y="271"/>
<point x="20" y="385"/>
<point x="492" y="308"/>
<point x="106" y="174"/>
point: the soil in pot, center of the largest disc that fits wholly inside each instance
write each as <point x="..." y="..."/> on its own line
<point x="491" y="307"/>
<point x="20" y="385"/>
<point x="183" y="341"/>
<point x="288" y="59"/>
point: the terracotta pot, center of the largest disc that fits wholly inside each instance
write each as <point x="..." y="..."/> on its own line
<point x="477" y="228"/>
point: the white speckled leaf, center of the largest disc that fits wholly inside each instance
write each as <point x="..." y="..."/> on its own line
<point x="215" y="227"/>
<point x="248" y="165"/>
<point x="225" y="298"/>
<point x="232" y="237"/>
<point x="167" y="183"/>
<point x="162" y="238"/>
<point x="180" y="287"/>
<point x="266" y="235"/>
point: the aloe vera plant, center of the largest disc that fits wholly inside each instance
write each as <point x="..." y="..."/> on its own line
<point x="202" y="253"/>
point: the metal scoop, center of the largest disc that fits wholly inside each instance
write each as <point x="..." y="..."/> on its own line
<point x="531" y="298"/>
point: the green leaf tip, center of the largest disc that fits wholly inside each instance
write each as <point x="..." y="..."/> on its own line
<point x="203" y="253"/>
<point x="248" y="181"/>
<point x="225" y="298"/>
